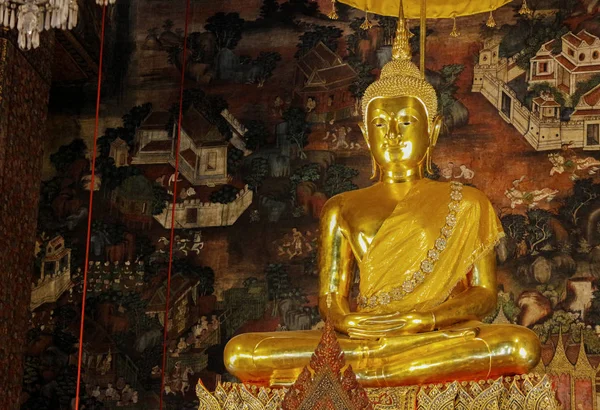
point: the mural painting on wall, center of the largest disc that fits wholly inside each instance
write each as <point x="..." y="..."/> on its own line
<point x="269" y="132"/>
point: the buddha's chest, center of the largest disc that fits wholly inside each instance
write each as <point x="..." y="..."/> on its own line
<point x="364" y="223"/>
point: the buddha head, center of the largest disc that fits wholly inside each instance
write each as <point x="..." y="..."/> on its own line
<point x="401" y="125"/>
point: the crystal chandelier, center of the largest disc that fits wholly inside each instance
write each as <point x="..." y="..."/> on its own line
<point x="31" y="17"/>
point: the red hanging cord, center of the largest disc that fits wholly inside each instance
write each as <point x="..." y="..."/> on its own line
<point x="177" y="144"/>
<point x="89" y="225"/>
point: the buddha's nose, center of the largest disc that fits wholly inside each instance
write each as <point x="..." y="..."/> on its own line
<point x="394" y="138"/>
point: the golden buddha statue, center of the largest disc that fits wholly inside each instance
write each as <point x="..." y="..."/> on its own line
<point x="425" y="252"/>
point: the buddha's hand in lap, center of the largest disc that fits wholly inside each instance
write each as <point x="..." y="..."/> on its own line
<point x="376" y="326"/>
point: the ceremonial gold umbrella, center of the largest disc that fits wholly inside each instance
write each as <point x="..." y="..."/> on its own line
<point x="424" y="9"/>
<point x="434" y="8"/>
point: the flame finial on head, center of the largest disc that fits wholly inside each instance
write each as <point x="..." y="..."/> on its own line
<point x="401" y="48"/>
<point x="401" y="77"/>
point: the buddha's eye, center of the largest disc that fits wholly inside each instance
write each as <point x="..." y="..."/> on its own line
<point x="379" y="123"/>
<point x="407" y="120"/>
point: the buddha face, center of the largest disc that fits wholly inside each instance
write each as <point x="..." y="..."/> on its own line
<point x="397" y="131"/>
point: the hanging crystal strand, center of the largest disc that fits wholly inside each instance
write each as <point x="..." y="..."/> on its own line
<point x="366" y="25"/>
<point x="454" y="32"/>
<point x="333" y="14"/>
<point x="525" y="11"/>
<point x="491" y="23"/>
<point x="72" y="15"/>
<point x="2" y="8"/>
<point x="40" y="19"/>
<point x="35" y="41"/>
<point x="62" y="9"/>
<point x="21" y="41"/>
<point x="7" y="15"/>
<point x="48" y="18"/>
<point x="13" y="19"/>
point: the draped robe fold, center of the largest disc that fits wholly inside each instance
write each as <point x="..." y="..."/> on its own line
<point x="406" y="236"/>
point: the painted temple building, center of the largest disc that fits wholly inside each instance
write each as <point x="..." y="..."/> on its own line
<point x="55" y="273"/>
<point x="558" y="63"/>
<point x="202" y="150"/>
<point x="322" y="82"/>
<point x="202" y="165"/>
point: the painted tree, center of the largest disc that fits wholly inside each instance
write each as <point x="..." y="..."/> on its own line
<point x="306" y="173"/>
<point x="328" y="35"/>
<point x="234" y="159"/>
<point x="530" y="32"/>
<point x="338" y="179"/>
<point x="298" y="128"/>
<point x="266" y="63"/>
<point x="227" y="28"/>
<point x="259" y="170"/>
<point x="161" y="199"/>
<point x="204" y="274"/>
<point x="67" y="154"/>
<point x="291" y="8"/>
<point x="515" y="226"/>
<point x="363" y="80"/>
<point x="584" y="193"/>
<point x="269" y="9"/>
<point x="112" y="176"/>
<point x="257" y="133"/>
<point x="538" y="229"/>
<point x="224" y="195"/>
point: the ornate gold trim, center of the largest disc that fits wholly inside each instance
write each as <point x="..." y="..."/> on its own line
<point x="526" y="392"/>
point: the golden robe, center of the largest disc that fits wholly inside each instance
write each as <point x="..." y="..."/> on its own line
<point x="410" y="232"/>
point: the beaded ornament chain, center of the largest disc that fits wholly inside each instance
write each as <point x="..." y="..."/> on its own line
<point x="428" y="264"/>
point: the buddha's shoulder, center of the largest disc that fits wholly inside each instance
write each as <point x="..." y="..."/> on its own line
<point x="349" y="197"/>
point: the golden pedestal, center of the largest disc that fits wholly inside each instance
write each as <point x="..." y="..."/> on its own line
<point x="327" y="384"/>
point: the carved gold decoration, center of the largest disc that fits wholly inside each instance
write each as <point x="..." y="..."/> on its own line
<point x="526" y="392"/>
<point x="454" y="32"/>
<point x="525" y="11"/>
<point x="491" y="23"/>
<point x="366" y="25"/>
<point x="333" y="14"/>
<point x="328" y="384"/>
<point x="322" y="385"/>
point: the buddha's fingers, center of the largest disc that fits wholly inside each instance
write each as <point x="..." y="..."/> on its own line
<point x="375" y="333"/>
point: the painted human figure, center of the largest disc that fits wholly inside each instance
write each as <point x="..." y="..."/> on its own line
<point x="448" y="171"/>
<point x="214" y="322"/>
<point x="342" y="132"/>
<point x="311" y="104"/>
<point x="197" y="244"/>
<point x="465" y="173"/>
<point x="110" y="393"/>
<point x="297" y="241"/>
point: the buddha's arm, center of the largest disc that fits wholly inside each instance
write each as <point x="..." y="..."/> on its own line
<point x="477" y="301"/>
<point x="336" y="266"/>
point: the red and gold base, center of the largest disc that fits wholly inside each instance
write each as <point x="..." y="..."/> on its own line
<point x="328" y="384"/>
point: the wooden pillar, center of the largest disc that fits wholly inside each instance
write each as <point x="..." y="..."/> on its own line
<point x="24" y="90"/>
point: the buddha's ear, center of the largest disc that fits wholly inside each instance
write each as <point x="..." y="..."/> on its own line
<point x="363" y="129"/>
<point x="436" y="128"/>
